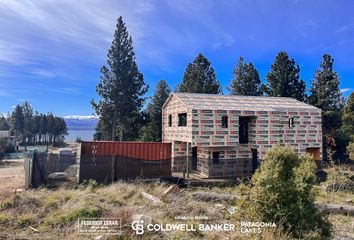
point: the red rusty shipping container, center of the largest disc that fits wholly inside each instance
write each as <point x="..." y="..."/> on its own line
<point x="138" y="150"/>
<point x="106" y="162"/>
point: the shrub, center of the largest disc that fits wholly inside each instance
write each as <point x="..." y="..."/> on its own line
<point x="350" y="150"/>
<point x="67" y="217"/>
<point x="6" y="203"/>
<point x="4" y="219"/>
<point x="283" y="193"/>
<point x="25" y="220"/>
<point x="2" y="148"/>
<point x="5" y="147"/>
<point x="9" y="148"/>
<point x="51" y="202"/>
<point x="87" y="212"/>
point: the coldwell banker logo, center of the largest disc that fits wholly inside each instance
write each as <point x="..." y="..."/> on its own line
<point x="244" y="227"/>
<point x="138" y="227"/>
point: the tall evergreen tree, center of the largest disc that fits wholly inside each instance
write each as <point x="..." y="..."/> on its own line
<point x="344" y="134"/>
<point x="284" y="78"/>
<point x="152" y="131"/>
<point x="4" y="125"/>
<point x="200" y="77"/>
<point x="28" y="122"/>
<point x="348" y="116"/>
<point x="17" y="122"/>
<point x="100" y="133"/>
<point x="325" y="94"/>
<point x="246" y="80"/>
<point x="51" y="125"/>
<point x="121" y="88"/>
<point x="43" y="128"/>
<point x="60" y="130"/>
<point x="36" y="127"/>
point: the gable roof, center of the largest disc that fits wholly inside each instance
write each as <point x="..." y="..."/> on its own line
<point x="234" y="102"/>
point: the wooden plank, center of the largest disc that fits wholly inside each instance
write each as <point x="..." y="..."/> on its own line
<point x="27" y="168"/>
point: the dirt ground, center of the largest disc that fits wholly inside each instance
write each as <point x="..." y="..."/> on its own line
<point x="12" y="177"/>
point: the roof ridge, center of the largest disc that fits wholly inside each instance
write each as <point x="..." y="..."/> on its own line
<point x="218" y="101"/>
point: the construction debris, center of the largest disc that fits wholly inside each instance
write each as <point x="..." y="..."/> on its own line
<point x="151" y="198"/>
<point x="210" y="196"/>
<point x="33" y="229"/>
<point x="142" y="218"/>
<point x="337" y="209"/>
<point x="171" y="189"/>
<point x="219" y="206"/>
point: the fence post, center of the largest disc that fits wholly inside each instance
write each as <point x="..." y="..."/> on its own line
<point x="113" y="170"/>
<point x="78" y="162"/>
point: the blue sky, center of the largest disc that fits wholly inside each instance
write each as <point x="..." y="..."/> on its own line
<point x="51" y="52"/>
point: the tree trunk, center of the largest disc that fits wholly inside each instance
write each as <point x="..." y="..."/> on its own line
<point x="114" y="123"/>
<point x="337" y="209"/>
<point x="121" y="133"/>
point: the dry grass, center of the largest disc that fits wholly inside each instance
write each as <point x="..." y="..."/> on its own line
<point x="55" y="212"/>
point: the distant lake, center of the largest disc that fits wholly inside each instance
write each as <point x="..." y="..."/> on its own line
<point x="83" y="128"/>
<point x="85" y="134"/>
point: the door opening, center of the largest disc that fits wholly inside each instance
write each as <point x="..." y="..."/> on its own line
<point x="243" y="129"/>
<point x="194" y="158"/>
<point x="314" y="153"/>
<point x="254" y="159"/>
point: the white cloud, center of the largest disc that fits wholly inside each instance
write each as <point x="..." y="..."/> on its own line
<point x="38" y="30"/>
<point x="43" y="73"/>
<point x="344" y="28"/>
<point x="67" y="90"/>
<point x="344" y="90"/>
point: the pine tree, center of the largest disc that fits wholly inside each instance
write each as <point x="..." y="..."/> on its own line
<point x="17" y="122"/>
<point x="121" y="88"/>
<point x="284" y="78"/>
<point x="51" y="125"/>
<point x="152" y="131"/>
<point x="348" y="116"/>
<point x="200" y="77"/>
<point x="37" y="127"/>
<point x="4" y="125"/>
<point x="325" y="92"/>
<point x="246" y="80"/>
<point x="98" y="135"/>
<point x="28" y="123"/>
<point x="44" y="128"/>
<point x="60" y="130"/>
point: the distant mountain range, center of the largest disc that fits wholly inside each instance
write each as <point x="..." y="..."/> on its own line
<point x="75" y="122"/>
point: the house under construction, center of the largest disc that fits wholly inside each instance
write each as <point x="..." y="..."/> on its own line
<point x="222" y="136"/>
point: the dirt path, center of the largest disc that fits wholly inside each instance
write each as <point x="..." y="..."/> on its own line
<point x="11" y="177"/>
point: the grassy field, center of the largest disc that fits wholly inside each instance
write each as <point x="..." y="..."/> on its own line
<point x="53" y="214"/>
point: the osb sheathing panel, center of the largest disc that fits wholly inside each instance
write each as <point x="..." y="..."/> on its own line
<point x="176" y="133"/>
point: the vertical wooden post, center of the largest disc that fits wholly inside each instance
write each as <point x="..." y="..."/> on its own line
<point x="78" y="162"/>
<point x="113" y="170"/>
<point x="187" y="160"/>
<point x="173" y="156"/>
